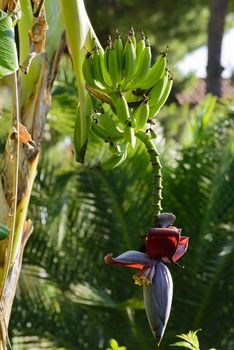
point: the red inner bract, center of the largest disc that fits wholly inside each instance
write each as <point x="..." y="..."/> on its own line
<point x="162" y="242"/>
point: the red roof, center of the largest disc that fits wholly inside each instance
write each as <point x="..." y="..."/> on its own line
<point x="196" y="94"/>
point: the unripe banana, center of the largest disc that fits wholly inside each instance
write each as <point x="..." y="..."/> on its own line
<point x="119" y="50"/>
<point x="142" y="115"/>
<point x="155" y="73"/>
<point x="121" y="106"/>
<point x="114" y="132"/>
<point x="140" y="46"/>
<point x="156" y="108"/>
<point x="158" y="90"/>
<point x="131" y="96"/>
<point x="88" y="70"/>
<point x="97" y="66"/>
<point x="132" y="121"/>
<point x="115" y="160"/>
<point x="132" y="36"/>
<point x="144" y="63"/>
<point x="129" y="62"/>
<point x="100" y="132"/>
<point x="104" y="65"/>
<point x="142" y="67"/>
<point x="82" y="126"/>
<point x="115" y="148"/>
<point x="113" y="67"/>
<point x="129" y="135"/>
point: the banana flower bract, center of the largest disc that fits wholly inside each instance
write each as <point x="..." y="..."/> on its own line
<point x="163" y="245"/>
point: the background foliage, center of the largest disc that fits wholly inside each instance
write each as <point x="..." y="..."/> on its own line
<point x="67" y="298"/>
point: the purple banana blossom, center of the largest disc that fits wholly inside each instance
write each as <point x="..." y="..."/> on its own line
<point x="163" y="244"/>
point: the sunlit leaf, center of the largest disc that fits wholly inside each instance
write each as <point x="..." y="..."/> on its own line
<point x="8" y="56"/>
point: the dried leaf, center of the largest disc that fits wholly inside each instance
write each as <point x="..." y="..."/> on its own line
<point x="25" y="137"/>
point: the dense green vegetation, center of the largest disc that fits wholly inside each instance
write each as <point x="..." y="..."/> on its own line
<point x="67" y="295"/>
<point x="67" y="298"/>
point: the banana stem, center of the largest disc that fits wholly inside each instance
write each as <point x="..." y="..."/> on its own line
<point x="15" y="165"/>
<point x="157" y="173"/>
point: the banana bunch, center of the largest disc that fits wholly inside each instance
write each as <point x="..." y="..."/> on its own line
<point x="106" y="128"/>
<point x="130" y="86"/>
<point x="123" y="66"/>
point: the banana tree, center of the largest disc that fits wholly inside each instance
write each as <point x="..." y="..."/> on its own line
<point x="131" y="94"/>
<point x="37" y="51"/>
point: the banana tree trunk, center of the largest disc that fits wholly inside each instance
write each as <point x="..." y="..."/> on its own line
<point x="31" y="95"/>
<point x="40" y="49"/>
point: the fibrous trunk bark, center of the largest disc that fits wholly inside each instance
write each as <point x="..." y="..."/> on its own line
<point x="218" y="11"/>
<point x="32" y="115"/>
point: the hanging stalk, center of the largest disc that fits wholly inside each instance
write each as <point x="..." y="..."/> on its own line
<point x="157" y="173"/>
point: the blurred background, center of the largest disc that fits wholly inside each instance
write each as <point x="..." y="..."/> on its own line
<point x="67" y="298"/>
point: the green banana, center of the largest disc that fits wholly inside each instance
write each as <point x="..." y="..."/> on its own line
<point x="106" y="121"/>
<point x="104" y="67"/>
<point x="129" y="62"/>
<point x="107" y="50"/>
<point x="115" y="148"/>
<point x="158" y="90"/>
<point x="140" y="46"/>
<point x="142" y="67"/>
<point x="155" y="73"/>
<point x="142" y="115"/>
<point x="129" y="135"/>
<point x="113" y="67"/>
<point x="88" y="70"/>
<point x="115" y="160"/>
<point x="156" y="108"/>
<point x="132" y="37"/>
<point x="119" y="49"/>
<point x="121" y="106"/>
<point x="82" y="126"/>
<point x="131" y="96"/>
<point x="4" y="232"/>
<point x="97" y="67"/>
<point x="132" y="121"/>
<point x="100" y="132"/>
<point x="144" y="63"/>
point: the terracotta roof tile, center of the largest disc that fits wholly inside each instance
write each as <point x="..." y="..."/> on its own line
<point x="196" y="94"/>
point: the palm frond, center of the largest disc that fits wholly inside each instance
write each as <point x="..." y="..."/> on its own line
<point x="80" y="215"/>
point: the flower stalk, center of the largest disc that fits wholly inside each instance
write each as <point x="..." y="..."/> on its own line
<point x="157" y="174"/>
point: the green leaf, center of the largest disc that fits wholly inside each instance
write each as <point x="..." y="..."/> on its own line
<point x="191" y="338"/>
<point x="8" y="57"/>
<point x="115" y="346"/>
<point x="4" y="232"/>
<point x="184" y="344"/>
<point x="86" y="295"/>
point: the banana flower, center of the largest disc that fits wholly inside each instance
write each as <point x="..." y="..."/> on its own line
<point x="162" y="245"/>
